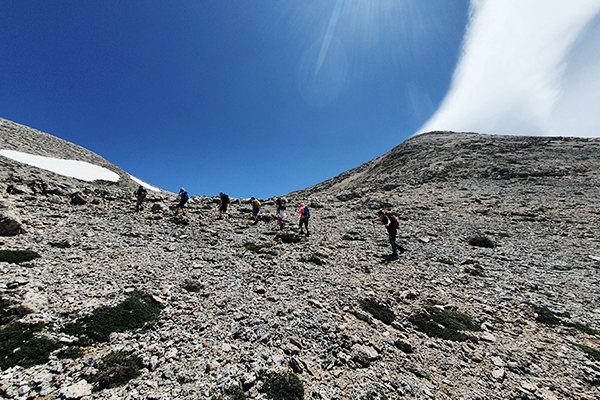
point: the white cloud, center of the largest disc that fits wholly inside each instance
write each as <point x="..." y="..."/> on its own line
<point x="528" y="68"/>
<point x="72" y="168"/>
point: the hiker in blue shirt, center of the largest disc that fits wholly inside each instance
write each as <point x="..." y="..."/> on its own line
<point x="255" y="208"/>
<point x="183" y="198"/>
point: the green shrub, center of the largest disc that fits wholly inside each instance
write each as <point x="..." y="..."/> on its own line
<point x="481" y="241"/>
<point x="193" y="286"/>
<point x="179" y="221"/>
<point x="287" y="238"/>
<point x="115" y="370"/>
<point x="255" y="248"/>
<point x="21" y="344"/>
<point x="545" y="315"/>
<point x="230" y="394"/>
<point x="17" y="256"/>
<point x="377" y="310"/>
<point x="61" y="245"/>
<point x="282" y="386"/>
<point x="595" y="354"/>
<point x="443" y="324"/>
<point x="312" y="260"/>
<point x="24" y="345"/>
<point x="375" y="395"/>
<point x="583" y="328"/>
<point x="135" y="312"/>
<point x="72" y="352"/>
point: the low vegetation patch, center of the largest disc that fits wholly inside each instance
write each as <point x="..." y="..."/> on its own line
<point x="115" y="370"/>
<point x="230" y="394"/>
<point x="21" y="344"/>
<point x="441" y="323"/>
<point x="312" y="260"/>
<point x="377" y="310"/>
<point x="255" y="248"/>
<point x="17" y="256"/>
<point x="282" y="386"/>
<point x="60" y="245"/>
<point x="375" y="395"/>
<point x="547" y="317"/>
<point x="70" y="352"/>
<point x="544" y="315"/>
<point x="481" y="241"/>
<point x="288" y="238"/>
<point x="179" y="221"/>
<point x="590" y="351"/>
<point x="351" y="236"/>
<point x="193" y="286"/>
<point x="137" y="311"/>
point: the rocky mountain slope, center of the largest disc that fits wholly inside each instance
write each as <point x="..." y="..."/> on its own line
<point x="237" y="301"/>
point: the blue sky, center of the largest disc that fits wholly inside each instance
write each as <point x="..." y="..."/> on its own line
<point x="254" y="98"/>
<point x="221" y="96"/>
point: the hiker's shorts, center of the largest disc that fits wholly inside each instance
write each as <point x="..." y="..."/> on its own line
<point x="255" y="211"/>
<point x="303" y="221"/>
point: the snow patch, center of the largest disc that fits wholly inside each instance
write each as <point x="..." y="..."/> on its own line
<point x="144" y="184"/>
<point x="75" y="169"/>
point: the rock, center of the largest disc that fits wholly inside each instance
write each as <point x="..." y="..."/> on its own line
<point x="78" y="200"/>
<point x="499" y="374"/>
<point x="404" y="346"/>
<point x="364" y="316"/>
<point x="158" y="207"/>
<point x="10" y="224"/>
<point x="363" y="355"/>
<point x="77" y="390"/>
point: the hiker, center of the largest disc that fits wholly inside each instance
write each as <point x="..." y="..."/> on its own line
<point x="141" y="195"/>
<point x="223" y="204"/>
<point x="280" y="212"/>
<point x="391" y="224"/>
<point x="255" y="208"/>
<point x="183" y="198"/>
<point x="304" y="212"/>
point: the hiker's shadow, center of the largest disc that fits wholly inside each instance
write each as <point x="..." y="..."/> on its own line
<point x="388" y="259"/>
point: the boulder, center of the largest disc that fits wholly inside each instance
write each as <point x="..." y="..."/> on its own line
<point x="78" y="200"/>
<point x="10" y="224"/>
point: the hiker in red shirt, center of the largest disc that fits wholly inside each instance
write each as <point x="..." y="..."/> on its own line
<point x="304" y="212"/>
<point x="391" y="224"/>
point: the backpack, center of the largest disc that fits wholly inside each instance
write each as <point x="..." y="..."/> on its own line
<point x="392" y="219"/>
<point x="306" y="212"/>
<point x="282" y="206"/>
<point x="185" y="196"/>
<point x="257" y="204"/>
